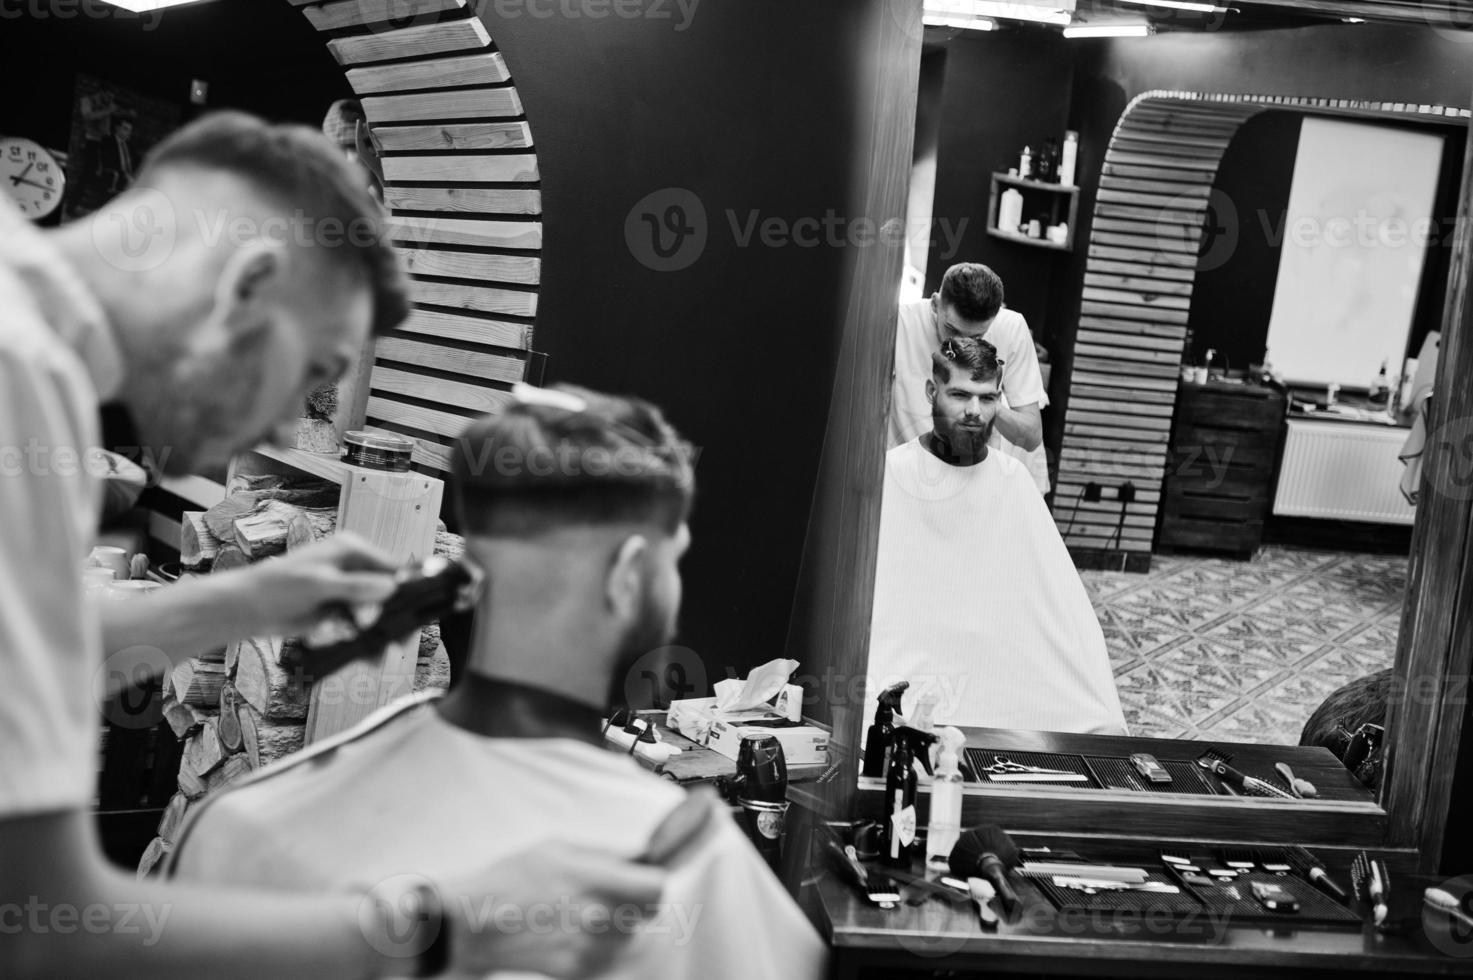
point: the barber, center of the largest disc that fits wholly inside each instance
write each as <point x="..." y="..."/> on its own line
<point x="970" y="304"/>
<point x="176" y="303"/>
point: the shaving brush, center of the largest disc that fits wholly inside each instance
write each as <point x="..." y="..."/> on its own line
<point x="988" y="853"/>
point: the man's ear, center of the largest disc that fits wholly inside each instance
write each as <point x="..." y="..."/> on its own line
<point x="624" y="585"/>
<point x="930" y="389"/>
<point x="245" y="282"/>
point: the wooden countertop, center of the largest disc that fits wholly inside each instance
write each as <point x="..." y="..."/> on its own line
<point x="938" y="936"/>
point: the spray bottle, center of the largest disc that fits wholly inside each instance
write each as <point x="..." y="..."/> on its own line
<point x="906" y="746"/>
<point x="946" y="799"/>
<point x="877" y="740"/>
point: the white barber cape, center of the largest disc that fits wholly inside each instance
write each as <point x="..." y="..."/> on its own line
<point x="977" y="601"/>
<point x="406" y="791"/>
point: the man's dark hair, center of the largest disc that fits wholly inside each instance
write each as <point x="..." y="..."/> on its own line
<point x="973" y="289"/>
<point x="299" y="170"/>
<point x="977" y="357"/>
<point x="568" y="456"/>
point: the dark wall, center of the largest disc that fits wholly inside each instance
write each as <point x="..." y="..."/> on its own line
<point x="1348" y="61"/>
<point x="1003" y="91"/>
<point x="1239" y="264"/>
<point x="750" y="108"/>
<point x="259" y="55"/>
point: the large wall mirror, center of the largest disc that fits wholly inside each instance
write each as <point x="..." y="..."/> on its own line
<point x="1199" y="648"/>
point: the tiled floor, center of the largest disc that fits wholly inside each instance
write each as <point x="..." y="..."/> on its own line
<point x="1207" y="648"/>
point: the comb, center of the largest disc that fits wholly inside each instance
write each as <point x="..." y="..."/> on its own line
<point x="1274" y="860"/>
<point x="1238" y="858"/>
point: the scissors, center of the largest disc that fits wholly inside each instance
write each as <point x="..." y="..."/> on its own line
<point x="1004" y="770"/>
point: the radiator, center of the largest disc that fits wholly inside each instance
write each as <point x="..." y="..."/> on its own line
<point x="1342" y="471"/>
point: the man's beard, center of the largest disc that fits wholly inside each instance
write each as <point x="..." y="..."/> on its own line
<point x="960" y="441"/>
<point x="654" y="628"/>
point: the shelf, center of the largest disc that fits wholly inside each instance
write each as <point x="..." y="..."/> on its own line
<point x="1025" y="240"/>
<point x="203" y="493"/>
<point x="327" y="467"/>
<point x="1035" y="185"/>
<point x="1049" y="203"/>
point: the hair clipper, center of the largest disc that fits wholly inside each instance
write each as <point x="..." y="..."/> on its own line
<point x="425" y="592"/>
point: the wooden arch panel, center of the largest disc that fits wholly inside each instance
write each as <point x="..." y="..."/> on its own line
<point x="462" y="187"/>
<point x="1154" y="193"/>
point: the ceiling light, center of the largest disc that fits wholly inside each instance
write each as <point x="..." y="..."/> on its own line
<point x="947" y="12"/>
<point x="144" y="6"/>
<point x="1205" y="8"/>
<point x="1107" y="30"/>
<point x="1354" y="20"/>
<point x="965" y="23"/>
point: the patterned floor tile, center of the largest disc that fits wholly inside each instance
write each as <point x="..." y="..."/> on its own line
<point x="1245" y="651"/>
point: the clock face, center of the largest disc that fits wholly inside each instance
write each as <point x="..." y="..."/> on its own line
<point x="31" y="176"/>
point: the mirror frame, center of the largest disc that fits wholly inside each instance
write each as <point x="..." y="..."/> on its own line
<point x="830" y="626"/>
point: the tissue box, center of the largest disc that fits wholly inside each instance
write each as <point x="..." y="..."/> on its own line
<point x="699" y="720"/>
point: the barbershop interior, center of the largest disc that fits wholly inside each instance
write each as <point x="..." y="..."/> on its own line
<point x="997" y="472"/>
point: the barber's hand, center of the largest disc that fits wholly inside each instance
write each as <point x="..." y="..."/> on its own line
<point x="566" y="911"/>
<point x="286" y="595"/>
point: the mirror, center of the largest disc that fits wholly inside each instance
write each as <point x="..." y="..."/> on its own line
<point x="1199" y="646"/>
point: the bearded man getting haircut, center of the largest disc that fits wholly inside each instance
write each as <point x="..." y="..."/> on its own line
<point x="976" y="598"/>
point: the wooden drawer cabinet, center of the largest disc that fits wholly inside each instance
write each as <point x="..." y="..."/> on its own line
<point x="1219" y="468"/>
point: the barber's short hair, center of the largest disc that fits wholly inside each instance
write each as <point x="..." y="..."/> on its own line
<point x="567" y="456"/>
<point x="974" y="290"/>
<point x="970" y="354"/>
<point x="300" y="171"/>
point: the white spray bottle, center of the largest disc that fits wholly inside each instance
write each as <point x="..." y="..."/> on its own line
<point x="946" y="798"/>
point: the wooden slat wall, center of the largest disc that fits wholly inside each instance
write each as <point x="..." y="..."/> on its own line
<point x="1155" y="186"/>
<point x="1154" y="190"/>
<point x="462" y="188"/>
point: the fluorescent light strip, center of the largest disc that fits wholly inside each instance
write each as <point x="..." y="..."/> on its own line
<point x="1205" y="8"/>
<point x="144" y="6"/>
<point x="947" y="11"/>
<point x="1108" y="30"/>
<point x="965" y="23"/>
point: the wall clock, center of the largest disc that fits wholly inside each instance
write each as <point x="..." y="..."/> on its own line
<point x="31" y="175"/>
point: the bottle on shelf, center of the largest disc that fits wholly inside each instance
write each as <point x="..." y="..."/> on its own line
<point x="1010" y="210"/>
<point x="1067" y="158"/>
<point x="1025" y="163"/>
<point x="1047" y="167"/>
<point x="946" y="799"/>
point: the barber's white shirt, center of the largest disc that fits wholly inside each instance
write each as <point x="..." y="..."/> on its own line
<point x="56" y="355"/>
<point x="917" y="337"/>
<point x="978" y="601"/>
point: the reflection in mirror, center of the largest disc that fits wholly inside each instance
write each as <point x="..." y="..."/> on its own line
<point x="1240" y="532"/>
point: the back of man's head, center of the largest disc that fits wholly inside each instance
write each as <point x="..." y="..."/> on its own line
<point x="973" y="290"/>
<point x="309" y="182"/>
<point x="974" y="357"/>
<point x="567" y="457"/>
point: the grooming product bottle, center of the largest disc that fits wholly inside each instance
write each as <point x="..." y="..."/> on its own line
<point x="1010" y="210"/>
<point x="906" y="746"/>
<point x="1067" y="157"/>
<point x="1047" y="168"/>
<point x="761" y="789"/>
<point x="1025" y="163"/>
<point x="946" y="799"/>
<point x="1380" y="387"/>
<point x="877" y="739"/>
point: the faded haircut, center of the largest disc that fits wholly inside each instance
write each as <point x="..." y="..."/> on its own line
<point x="571" y="457"/>
<point x="299" y="170"/>
<point x="974" y="290"/>
<point x="971" y="354"/>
